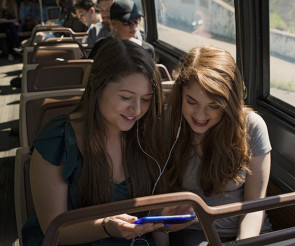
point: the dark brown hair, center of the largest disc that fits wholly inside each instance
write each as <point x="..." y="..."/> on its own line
<point x="85" y="4"/>
<point x="116" y="60"/>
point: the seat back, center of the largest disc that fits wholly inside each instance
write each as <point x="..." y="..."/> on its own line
<point x="165" y="75"/>
<point x="207" y="215"/>
<point x="64" y="31"/>
<point x="167" y="88"/>
<point x="53" y="13"/>
<point x="38" y="108"/>
<point x="58" y="75"/>
<point x="46" y="52"/>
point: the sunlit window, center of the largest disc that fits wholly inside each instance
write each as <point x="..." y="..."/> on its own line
<point x="186" y="24"/>
<point x="282" y="50"/>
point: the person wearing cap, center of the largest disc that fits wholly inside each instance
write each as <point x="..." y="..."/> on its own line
<point x="125" y="19"/>
<point x="89" y="16"/>
<point x="125" y="11"/>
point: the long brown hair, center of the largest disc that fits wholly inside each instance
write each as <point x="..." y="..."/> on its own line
<point x="115" y="60"/>
<point x="225" y="149"/>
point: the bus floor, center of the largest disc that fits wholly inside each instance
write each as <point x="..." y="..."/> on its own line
<point x="9" y="142"/>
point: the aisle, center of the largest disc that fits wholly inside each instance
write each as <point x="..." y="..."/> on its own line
<point x="9" y="142"/>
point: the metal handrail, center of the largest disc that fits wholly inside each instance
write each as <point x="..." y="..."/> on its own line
<point x="207" y="215"/>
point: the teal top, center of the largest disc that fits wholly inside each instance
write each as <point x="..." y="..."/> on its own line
<point x="57" y="144"/>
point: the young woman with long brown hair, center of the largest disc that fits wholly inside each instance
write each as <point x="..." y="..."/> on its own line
<point x="223" y="150"/>
<point x="92" y="156"/>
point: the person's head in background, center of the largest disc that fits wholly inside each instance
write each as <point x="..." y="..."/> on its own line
<point x="125" y="18"/>
<point x="104" y="7"/>
<point x="69" y="17"/>
<point x="66" y="5"/>
<point x="87" y="12"/>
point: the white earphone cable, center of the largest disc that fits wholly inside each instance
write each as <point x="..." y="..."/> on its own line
<point x="161" y="171"/>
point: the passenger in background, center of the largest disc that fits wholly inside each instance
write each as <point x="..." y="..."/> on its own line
<point x="223" y="150"/>
<point x="104" y="7"/>
<point x="9" y="25"/>
<point x="125" y="19"/>
<point x="69" y="17"/>
<point x="24" y="12"/>
<point x="90" y="17"/>
<point x="36" y="11"/>
<point x="92" y="156"/>
<point x="29" y="14"/>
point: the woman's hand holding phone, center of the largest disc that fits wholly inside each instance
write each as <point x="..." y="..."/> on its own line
<point x="122" y="226"/>
<point x="184" y="209"/>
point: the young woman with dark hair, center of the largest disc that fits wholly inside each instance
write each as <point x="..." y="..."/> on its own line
<point x="92" y="156"/>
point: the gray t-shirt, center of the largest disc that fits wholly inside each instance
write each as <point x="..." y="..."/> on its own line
<point x="94" y="31"/>
<point x="259" y="144"/>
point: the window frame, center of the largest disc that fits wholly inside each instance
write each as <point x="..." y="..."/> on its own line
<point x="278" y="106"/>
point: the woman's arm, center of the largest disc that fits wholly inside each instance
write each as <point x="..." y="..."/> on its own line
<point x="255" y="188"/>
<point x="49" y="190"/>
<point x="50" y="196"/>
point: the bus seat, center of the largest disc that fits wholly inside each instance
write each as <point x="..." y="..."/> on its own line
<point x="165" y="75"/>
<point x="206" y="215"/>
<point x="167" y="87"/>
<point x="78" y="36"/>
<point x="23" y="201"/>
<point x="280" y="218"/>
<point x="36" y="108"/>
<point x="45" y="52"/>
<point x="56" y="75"/>
<point x="53" y="13"/>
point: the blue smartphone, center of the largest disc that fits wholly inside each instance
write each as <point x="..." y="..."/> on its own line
<point x="166" y="220"/>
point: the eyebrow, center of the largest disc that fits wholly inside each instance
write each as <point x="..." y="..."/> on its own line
<point x="149" y="94"/>
<point x="189" y="97"/>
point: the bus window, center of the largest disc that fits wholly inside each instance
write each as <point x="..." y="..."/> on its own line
<point x="282" y="50"/>
<point x="189" y="23"/>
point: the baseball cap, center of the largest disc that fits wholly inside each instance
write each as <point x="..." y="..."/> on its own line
<point x="124" y="11"/>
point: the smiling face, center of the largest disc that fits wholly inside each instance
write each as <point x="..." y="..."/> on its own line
<point x="125" y="101"/>
<point x="199" y="110"/>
